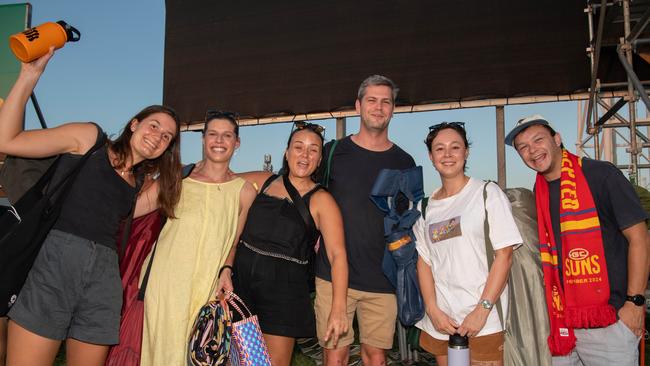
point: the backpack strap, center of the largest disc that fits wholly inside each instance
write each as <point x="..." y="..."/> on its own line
<point x="489" y="250"/>
<point x="423" y="207"/>
<point x="328" y="168"/>
<point x="187" y="170"/>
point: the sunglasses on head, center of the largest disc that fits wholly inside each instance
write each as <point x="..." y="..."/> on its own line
<point x="433" y="129"/>
<point x="211" y="114"/>
<point x="301" y="125"/>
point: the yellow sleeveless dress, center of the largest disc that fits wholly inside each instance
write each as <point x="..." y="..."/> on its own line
<point x="189" y="253"/>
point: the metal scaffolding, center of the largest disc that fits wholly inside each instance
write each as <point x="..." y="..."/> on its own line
<point x="603" y="126"/>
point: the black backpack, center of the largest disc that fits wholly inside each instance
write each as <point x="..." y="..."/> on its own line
<point x="24" y="227"/>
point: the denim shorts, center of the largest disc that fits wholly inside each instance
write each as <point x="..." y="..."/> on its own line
<point x="72" y="291"/>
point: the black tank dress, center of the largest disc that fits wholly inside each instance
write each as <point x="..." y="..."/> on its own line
<point x="271" y="270"/>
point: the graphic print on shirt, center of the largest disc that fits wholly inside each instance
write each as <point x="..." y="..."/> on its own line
<point x="443" y="230"/>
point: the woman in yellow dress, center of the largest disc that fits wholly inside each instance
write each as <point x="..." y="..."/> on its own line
<point x="195" y="251"/>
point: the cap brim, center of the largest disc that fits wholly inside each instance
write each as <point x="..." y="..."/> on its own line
<point x="510" y="138"/>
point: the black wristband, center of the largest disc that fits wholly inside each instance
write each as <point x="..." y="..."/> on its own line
<point x="224" y="267"/>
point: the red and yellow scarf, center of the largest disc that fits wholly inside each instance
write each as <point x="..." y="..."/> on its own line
<point x="581" y="300"/>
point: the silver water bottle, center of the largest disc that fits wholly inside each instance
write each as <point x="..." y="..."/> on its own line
<point x="458" y="350"/>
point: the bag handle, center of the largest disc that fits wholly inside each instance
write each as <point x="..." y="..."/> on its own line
<point x="126" y="231"/>
<point x="299" y="203"/>
<point x="101" y="140"/>
<point x="145" y="279"/>
<point x="268" y="182"/>
<point x="233" y="299"/>
<point x="187" y="170"/>
<point x="42" y="182"/>
<point x="489" y="250"/>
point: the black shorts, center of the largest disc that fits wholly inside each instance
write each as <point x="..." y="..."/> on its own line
<point x="277" y="291"/>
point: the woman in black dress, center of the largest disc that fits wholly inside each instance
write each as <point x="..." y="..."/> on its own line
<point x="272" y="270"/>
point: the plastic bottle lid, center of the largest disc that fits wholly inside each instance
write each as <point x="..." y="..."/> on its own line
<point x="456" y="341"/>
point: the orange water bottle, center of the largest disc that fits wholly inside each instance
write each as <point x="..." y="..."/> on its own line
<point x="35" y="42"/>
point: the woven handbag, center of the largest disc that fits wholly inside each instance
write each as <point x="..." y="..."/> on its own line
<point x="209" y="343"/>
<point x="248" y="347"/>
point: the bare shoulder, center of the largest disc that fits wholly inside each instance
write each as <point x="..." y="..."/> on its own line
<point x="255" y="178"/>
<point x="323" y="198"/>
<point x="85" y="134"/>
<point x="248" y="192"/>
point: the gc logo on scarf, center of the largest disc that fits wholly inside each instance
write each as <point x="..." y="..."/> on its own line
<point x="580" y="263"/>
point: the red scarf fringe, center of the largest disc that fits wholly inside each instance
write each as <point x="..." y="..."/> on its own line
<point x="595" y="316"/>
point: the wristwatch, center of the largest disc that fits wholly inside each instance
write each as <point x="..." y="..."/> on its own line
<point x="486" y="304"/>
<point x="638" y="300"/>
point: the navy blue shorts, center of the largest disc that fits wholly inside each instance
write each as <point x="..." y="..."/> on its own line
<point x="277" y="291"/>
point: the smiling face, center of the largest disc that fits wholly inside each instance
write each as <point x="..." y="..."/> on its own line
<point x="376" y="107"/>
<point x="304" y="153"/>
<point x="151" y="136"/>
<point x="449" y="153"/>
<point x="540" y="151"/>
<point x="220" y="140"/>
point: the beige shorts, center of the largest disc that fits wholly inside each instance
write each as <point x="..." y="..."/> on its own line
<point x="484" y="348"/>
<point x="376" y="316"/>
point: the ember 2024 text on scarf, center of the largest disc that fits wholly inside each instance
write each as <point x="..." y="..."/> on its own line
<point x="581" y="299"/>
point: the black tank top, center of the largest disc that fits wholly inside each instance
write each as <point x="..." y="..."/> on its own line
<point x="274" y="225"/>
<point x="99" y="200"/>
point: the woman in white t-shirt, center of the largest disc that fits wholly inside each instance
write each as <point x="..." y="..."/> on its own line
<point x="458" y="288"/>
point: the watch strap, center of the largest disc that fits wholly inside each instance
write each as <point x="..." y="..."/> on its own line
<point x="638" y="299"/>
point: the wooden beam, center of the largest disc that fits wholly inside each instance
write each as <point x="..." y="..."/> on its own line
<point x="198" y="125"/>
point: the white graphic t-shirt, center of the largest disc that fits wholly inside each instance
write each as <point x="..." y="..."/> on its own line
<point x="451" y="240"/>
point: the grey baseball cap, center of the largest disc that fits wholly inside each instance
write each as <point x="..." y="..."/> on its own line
<point x="523" y="124"/>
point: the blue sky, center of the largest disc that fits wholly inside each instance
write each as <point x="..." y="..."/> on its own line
<point x="117" y="68"/>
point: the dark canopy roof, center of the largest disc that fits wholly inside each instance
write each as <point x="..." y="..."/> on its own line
<point x="265" y="58"/>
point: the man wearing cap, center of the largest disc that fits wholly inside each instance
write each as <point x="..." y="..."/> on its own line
<point x="594" y="250"/>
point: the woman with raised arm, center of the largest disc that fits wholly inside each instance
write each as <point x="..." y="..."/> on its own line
<point x="192" y="261"/>
<point x="271" y="271"/>
<point x="458" y="286"/>
<point x="73" y="291"/>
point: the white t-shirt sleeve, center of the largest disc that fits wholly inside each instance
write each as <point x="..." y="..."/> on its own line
<point x="420" y="233"/>
<point x="503" y="229"/>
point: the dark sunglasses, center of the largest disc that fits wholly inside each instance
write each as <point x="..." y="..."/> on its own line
<point x="433" y="130"/>
<point x="211" y="114"/>
<point x="302" y="125"/>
